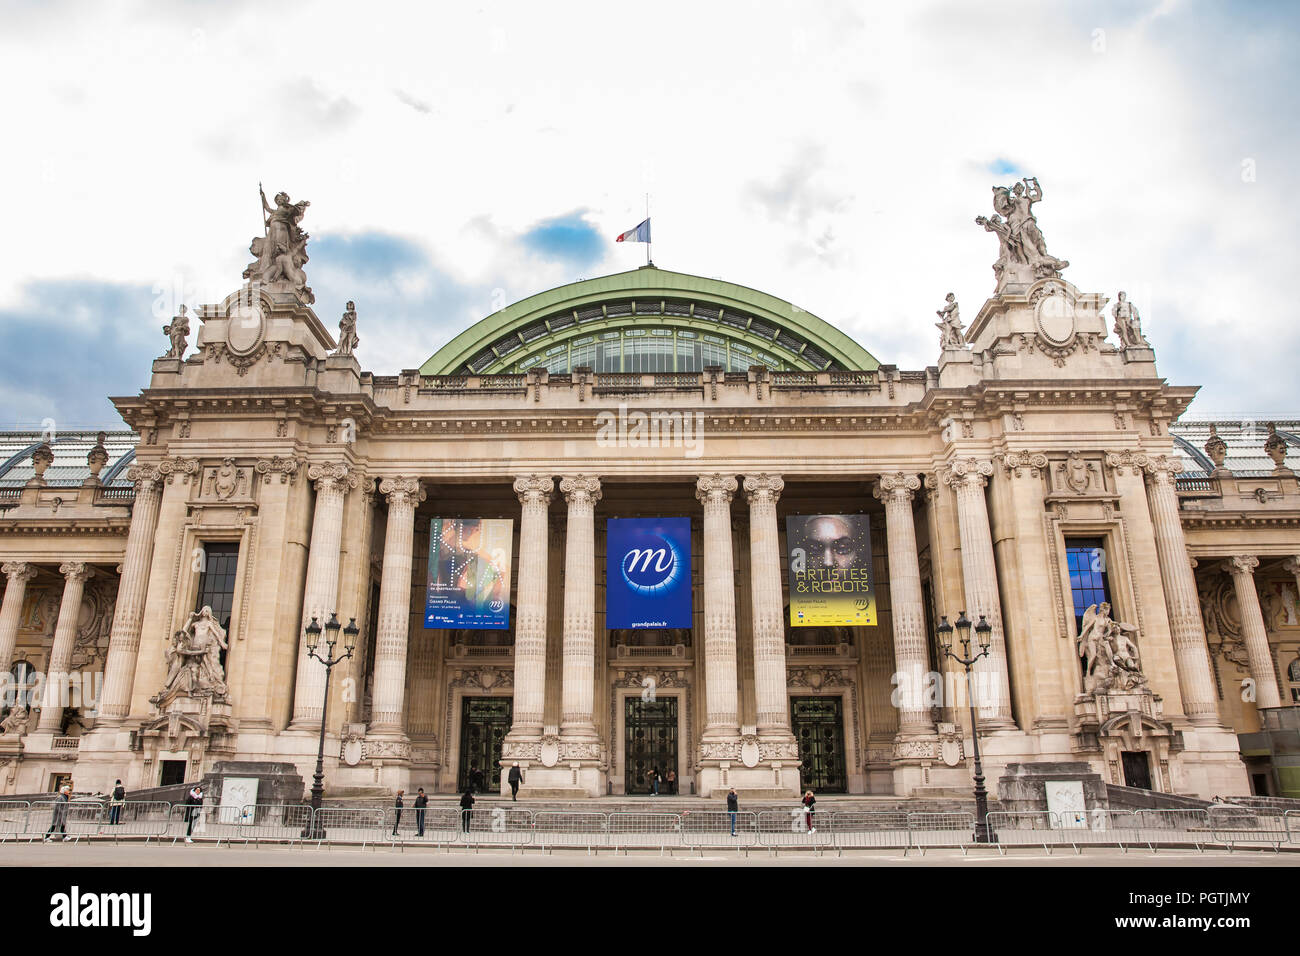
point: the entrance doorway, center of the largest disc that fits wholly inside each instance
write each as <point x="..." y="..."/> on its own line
<point x="484" y="723"/>
<point x="818" y="725"/>
<point x="1137" y="769"/>
<point x="651" y="741"/>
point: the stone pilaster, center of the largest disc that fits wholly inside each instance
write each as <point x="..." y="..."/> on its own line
<point x="968" y="476"/>
<point x="907" y="608"/>
<point x="1191" y="657"/>
<point x="1253" y="632"/>
<point x="388" y="698"/>
<point x="321" y="589"/>
<point x="18" y="574"/>
<point x="720" y="706"/>
<point x="577" y="722"/>
<point x="128" y="616"/>
<point x="771" y="703"/>
<point x="534" y="493"/>
<point x="75" y="575"/>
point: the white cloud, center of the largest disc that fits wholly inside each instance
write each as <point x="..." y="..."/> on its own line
<point x="143" y="137"/>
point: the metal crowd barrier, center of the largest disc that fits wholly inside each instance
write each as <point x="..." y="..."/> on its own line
<point x="877" y="829"/>
<point x="714" y="828"/>
<point x="644" y="830"/>
<point x="571" y="828"/>
<point x="1233" y="825"/>
<point x="13" y="818"/>
<point x="653" y="829"/>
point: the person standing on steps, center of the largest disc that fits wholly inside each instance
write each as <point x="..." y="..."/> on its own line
<point x="397" y="818"/>
<point x="193" y="807"/>
<point x="475" y="779"/>
<point x="421" y="801"/>
<point x="809" y="805"/>
<point x="733" y="805"/>
<point x="515" y="778"/>
<point x="116" y="800"/>
<point x="466" y="805"/>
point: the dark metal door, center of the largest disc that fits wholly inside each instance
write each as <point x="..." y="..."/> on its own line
<point x="1137" y="769"/>
<point x="650" y="742"/>
<point x="818" y="724"/>
<point x="484" y="723"/>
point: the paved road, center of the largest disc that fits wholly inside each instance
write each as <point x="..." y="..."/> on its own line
<point x="60" y="855"/>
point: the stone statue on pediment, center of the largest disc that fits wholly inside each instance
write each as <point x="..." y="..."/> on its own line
<point x="951" y="332"/>
<point x="1109" y="653"/>
<point x="1128" y="325"/>
<point x="348" y="339"/>
<point x="282" y="252"/>
<point x="194" y="658"/>
<point x="178" y="331"/>
<point x="1023" y="254"/>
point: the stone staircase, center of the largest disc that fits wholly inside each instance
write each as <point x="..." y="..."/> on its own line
<point x="681" y="804"/>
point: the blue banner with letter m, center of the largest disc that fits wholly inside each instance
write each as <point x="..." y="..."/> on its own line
<point x="648" y="573"/>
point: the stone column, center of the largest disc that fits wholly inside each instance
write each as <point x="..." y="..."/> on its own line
<point x="1253" y="632"/>
<point x="75" y="574"/>
<point x="968" y="476"/>
<point x="387" y="709"/>
<point x="124" y="640"/>
<point x="18" y="573"/>
<point x="577" y="686"/>
<point x="321" y="590"/>
<point x="720" y="705"/>
<point x="771" y="702"/>
<point x="906" y="603"/>
<point x="1191" y="656"/>
<point x="534" y="493"/>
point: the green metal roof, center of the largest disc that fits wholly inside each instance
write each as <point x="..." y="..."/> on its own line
<point x="643" y="298"/>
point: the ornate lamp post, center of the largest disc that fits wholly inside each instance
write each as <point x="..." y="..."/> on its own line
<point x="314" y="831"/>
<point x="983" y="632"/>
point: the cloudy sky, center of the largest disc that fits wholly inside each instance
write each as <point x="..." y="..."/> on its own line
<point x="461" y="157"/>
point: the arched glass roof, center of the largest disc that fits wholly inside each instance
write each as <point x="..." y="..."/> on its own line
<point x="649" y="320"/>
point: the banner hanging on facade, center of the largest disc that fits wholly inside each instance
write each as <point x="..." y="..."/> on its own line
<point x="648" y="573"/>
<point x="830" y="570"/>
<point x="469" y="573"/>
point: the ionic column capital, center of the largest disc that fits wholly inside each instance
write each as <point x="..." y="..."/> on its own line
<point x="716" y="488"/>
<point x="1292" y="564"/>
<point x="899" y="486"/>
<point x="331" y="475"/>
<point x="19" y="571"/>
<point x="78" y="571"/>
<point x="286" y="468"/>
<point x="1127" y="460"/>
<point x="402" y="491"/>
<point x="580" y="489"/>
<point x="169" y="468"/>
<point x="1241" y="564"/>
<point x="1163" y="469"/>
<point x="1018" y="462"/>
<point x="145" y="477"/>
<point x="973" y="472"/>
<point x="763" y="488"/>
<point x="534" y="489"/>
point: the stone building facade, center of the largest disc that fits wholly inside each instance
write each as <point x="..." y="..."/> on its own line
<point x="1036" y="473"/>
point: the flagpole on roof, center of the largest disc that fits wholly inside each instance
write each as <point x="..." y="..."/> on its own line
<point x="647" y="217"/>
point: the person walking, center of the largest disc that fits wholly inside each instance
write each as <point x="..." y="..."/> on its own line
<point x="515" y="778"/>
<point x="193" y="807"/>
<point x="654" y="780"/>
<point x="59" y="822"/>
<point x="397" y="818"/>
<point x="421" y="801"/>
<point x="116" y="800"/>
<point x="466" y="805"/>
<point x="809" y="805"/>
<point x="733" y="806"/>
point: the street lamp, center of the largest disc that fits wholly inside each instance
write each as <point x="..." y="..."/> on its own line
<point x="314" y="831"/>
<point x="983" y="634"/>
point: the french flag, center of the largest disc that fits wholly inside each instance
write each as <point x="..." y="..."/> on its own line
<point x="640" y="234"/>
